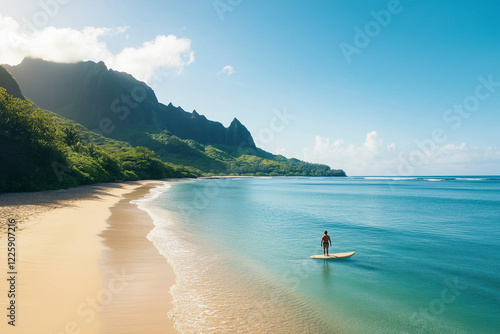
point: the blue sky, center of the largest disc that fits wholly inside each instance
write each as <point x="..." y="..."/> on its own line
<point x="391" y="107"/>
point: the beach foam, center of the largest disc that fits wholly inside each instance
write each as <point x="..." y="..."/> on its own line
<point x="389" y="178"/>
<point x="211" y="296"/>
<point x="469" y="179"/>
<point x="241" y="256"/>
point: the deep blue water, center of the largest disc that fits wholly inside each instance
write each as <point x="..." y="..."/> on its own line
<point x="427" y="254"/>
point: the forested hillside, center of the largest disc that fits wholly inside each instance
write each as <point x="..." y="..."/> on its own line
<point x="38" y="153"/>
<point x="41" y="149"/>
<point x="118" y="106"/>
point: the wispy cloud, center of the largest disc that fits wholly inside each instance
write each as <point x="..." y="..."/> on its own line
<point x="227" y="70"/>
<point x="168" y="54"/>
<point x="373" y="157"/>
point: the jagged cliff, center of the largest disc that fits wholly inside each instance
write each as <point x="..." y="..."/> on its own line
<point x="119" y="107"/>
<point x="8" y="82"/>
<point x="116" y="104"/>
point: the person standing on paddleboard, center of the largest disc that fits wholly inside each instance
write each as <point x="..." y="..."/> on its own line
<point x="325" y="242"/>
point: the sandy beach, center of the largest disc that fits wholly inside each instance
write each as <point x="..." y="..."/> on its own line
<point x="84" y="263"/>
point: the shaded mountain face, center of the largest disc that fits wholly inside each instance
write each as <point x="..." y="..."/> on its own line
<point x="9" y="83"/>
<point x="118" y="106"/>
<point x="115" y="104"/>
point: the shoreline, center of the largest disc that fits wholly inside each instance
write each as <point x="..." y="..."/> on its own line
<point x="72" y="269"/>
<point x="144" y="303"/>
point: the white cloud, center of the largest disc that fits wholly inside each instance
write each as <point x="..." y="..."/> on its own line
<point x="164" y="53"/>
<point x="463" y="153"/>
<point x="228" y="70"/>
<point x="375" y="158"/>
<point x="366" y="159"/>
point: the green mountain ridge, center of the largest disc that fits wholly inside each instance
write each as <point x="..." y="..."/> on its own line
<point x="40" y="150"/>
<point x="115" y="103"/>
<point x="75" y="155"/>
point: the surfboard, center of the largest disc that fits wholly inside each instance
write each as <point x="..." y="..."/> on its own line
<point x="333" y="256"/>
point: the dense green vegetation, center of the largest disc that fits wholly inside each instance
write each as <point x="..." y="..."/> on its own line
<point x="228" y="160"/>
<point x="39" y="151"/>
<point x="89" y="93"/>
<point x="204" y="160"/>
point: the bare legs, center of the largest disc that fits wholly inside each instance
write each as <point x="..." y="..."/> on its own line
<point x="325" y="249"/>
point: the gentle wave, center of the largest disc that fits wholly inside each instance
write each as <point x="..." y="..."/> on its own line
<point x="469" y="179"/>
<point x="153" y="194"/>
<point x="389" y="178"/>
<point x="223" y="287"/>
<point x="242" y="294"/>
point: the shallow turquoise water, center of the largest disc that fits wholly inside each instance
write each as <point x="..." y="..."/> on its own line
<point x="427" y="254"/>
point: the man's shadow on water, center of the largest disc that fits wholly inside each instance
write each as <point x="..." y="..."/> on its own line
<point x="326" y="273"/>
<point x="328" y="269"/>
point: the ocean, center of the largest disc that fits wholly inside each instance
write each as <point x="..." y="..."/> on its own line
<point x="427" y="254"/>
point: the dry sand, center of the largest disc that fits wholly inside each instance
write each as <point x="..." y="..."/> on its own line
<point x="84" y="264"/>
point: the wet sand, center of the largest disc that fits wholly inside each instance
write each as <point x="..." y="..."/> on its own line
<point x="84" y="263"/>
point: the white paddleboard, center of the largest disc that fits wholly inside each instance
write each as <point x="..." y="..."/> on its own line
<point x="333" y="256"/>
